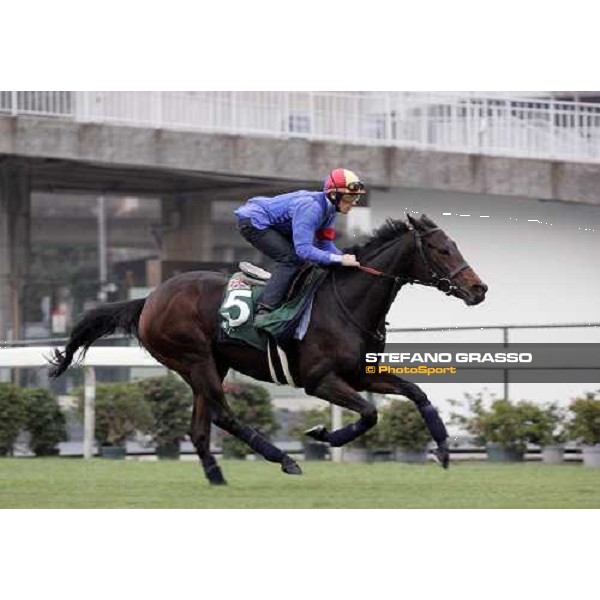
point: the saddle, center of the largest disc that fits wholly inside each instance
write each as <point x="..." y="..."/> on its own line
<point x="257" y="276"/>
<point x="243" y="292"/>
<point x="254" y="275"/>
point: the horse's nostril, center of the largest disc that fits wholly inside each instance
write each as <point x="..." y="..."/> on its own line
<point x="480" y="289"/>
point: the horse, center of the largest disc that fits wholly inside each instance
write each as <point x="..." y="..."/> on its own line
<point x="178" y="325"/>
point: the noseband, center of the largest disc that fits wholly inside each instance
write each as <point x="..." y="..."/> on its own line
<point x="442" y="282"/>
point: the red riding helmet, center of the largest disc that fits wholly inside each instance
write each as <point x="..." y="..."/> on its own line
<point x="343" y="181"/>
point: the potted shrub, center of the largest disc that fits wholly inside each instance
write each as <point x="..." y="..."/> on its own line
<point x="403" y="429"/>
<point x="547" y="429"/>
<point x="170" y="401"/>
<point x="120" y="412"/>
<point x="307" y="419"/>
<point x="251" y="404"/>
<point x="504" y="428"/>
<point x="12" y="417"/>
<point x="44" y="420"/>
<point x="584" y="427"/>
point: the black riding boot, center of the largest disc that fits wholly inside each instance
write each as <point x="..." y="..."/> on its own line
<point x="276" y="289"/>
<point x="280" y="249"/>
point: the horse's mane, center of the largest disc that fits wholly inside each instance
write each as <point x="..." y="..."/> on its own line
<point x="391" y="229"/>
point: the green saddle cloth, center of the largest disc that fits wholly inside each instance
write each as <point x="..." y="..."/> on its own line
<point x="236" y="313"/>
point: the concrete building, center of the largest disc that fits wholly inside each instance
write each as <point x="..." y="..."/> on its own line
<point x="173" y="166"/>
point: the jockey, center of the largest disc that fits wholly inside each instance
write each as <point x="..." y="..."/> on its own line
<point x="297" y="227"/>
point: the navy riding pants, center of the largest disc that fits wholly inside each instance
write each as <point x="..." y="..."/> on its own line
<point x="279" y="248"/>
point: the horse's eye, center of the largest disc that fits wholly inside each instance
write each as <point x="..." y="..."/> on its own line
<point x="445" y="252"/>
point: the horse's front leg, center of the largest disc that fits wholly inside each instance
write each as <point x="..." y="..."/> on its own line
<point x="386" y="383"/>
<point x="335" y="390"/>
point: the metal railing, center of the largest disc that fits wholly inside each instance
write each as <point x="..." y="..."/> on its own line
<point x="477" y="123"/>
<point x="51" y="104"/>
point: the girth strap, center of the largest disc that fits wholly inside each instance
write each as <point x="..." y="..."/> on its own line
<point x="278" y="364"/>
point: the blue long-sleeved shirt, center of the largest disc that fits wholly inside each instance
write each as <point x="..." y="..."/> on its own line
<point x="306" y="217"/>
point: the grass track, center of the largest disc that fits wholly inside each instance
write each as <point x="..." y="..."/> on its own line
<point x="66" y="483"/>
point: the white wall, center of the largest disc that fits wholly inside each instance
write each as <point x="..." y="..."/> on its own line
<point x="536" y="273"/>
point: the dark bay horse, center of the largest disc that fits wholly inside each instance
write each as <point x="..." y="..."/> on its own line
<point x="178" y="325"/>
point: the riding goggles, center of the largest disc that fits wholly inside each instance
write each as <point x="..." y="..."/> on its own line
<point x="356" y="187"/>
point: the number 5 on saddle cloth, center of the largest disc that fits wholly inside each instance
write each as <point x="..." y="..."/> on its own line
<point x="290" y="320"/>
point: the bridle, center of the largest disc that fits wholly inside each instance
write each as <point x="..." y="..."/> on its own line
<point x="441" y="281"/>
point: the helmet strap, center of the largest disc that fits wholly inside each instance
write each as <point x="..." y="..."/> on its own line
<point x="336" y="201"/>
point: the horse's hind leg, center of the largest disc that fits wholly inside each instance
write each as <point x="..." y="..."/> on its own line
<point x="201" y="417"/>
<point x="224" y="418"/>
<point x="200" y="434"/>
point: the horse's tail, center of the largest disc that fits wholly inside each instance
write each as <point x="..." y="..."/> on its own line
<point x="95" y="324"/>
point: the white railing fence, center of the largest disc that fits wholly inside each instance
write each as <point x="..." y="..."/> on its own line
<point x="494" y="124"/>
<point x="37" y="357"/>
<point x="15" y="355"/>
<point x="59" y="104"/>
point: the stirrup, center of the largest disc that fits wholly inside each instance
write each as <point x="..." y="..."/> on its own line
<point x="263" y="311"/>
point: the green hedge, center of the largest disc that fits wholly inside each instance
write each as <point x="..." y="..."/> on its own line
<point x="399" y="424"/>
<point x="35" y="410"/>
<point x="121" y="411"/>
<point x="44" y="420"/>
<point x="402" y="426"/>
<point x="512" y="424"/>
<point x="584" y="426"/>
<point x="251" y="404"/>
<point x="170" y="402"/>
<point x="12" y="417"/>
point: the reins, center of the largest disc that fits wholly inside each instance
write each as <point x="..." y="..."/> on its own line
<point x="376" y="272"/>
<point x="441" y="282"/>
<point x="378" y="335"/>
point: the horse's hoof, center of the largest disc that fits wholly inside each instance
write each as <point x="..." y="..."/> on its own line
<point x="319" y="433"/>
<point x="215" y="475"/>
<point x="291" y="467"/>
<point x="442" y="457"/>
<point x="221" y="481"/>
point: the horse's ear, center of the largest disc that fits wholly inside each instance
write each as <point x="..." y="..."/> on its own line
<point x="412" y="220"/>
<point x="427" y="221"/>
<point x="416" y="223"/>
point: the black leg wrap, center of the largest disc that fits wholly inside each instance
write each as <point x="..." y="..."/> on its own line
<point x="214" y="474"/>
<point x="434" y="422"/>
<point x="442" y="455"/>
<point x="251" y="437"/>
<point x="259" y="444"/>
<point x="346" y="434"/>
